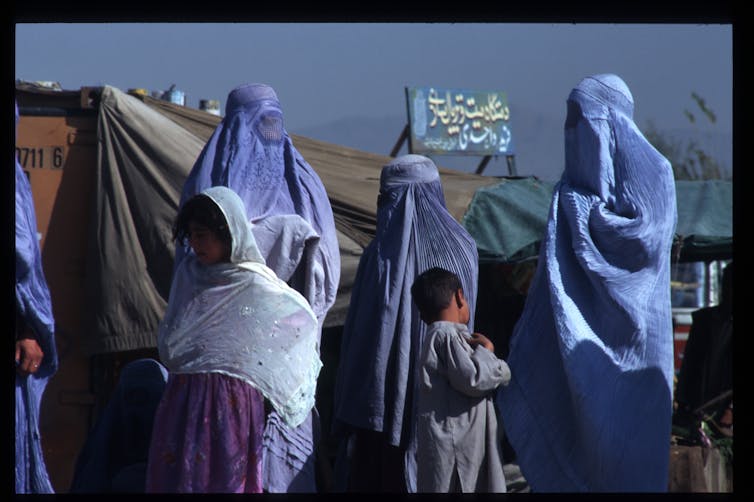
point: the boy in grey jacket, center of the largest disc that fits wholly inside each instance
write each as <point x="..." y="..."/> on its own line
<point x="457" y="443"/>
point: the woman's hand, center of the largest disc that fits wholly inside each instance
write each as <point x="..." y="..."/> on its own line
<point x="29" y="355"/>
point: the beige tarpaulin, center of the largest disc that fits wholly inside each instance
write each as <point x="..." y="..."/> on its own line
<point x="142" y="160"/>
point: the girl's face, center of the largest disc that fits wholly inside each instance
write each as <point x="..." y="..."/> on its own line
<point x="207" y="247"/>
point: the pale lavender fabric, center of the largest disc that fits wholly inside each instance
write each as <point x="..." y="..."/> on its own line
<point x="251" y="152"/>
<point x="34" y="308"/>
<point x="590" y="401"/>
<point x="382" y="335"/>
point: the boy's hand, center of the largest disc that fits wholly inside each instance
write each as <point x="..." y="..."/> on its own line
<point x="480" y="339"/>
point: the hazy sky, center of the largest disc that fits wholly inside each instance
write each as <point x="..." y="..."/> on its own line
<point x="326" y="71"/>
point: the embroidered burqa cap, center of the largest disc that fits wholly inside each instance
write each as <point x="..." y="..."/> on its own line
<point x="590" y="401"/>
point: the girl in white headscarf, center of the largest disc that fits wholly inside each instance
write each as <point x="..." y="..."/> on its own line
<point x="233" y="335"/>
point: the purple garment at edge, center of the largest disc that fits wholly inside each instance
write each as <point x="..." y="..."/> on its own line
<point x="251" y="152"/>
<point x="34" y="307"/>
<point x="589" y="404"/>
<point x="383" y="333"/>
<point x="199" y="405"/>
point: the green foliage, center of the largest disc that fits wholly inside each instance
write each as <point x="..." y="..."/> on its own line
<point x="689" y="159"/>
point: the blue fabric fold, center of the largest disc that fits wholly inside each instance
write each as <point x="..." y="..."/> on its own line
<point x="34" y="308"/>
<point x="590" y="401"/>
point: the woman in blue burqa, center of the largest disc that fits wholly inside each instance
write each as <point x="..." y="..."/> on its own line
<point x="36" y="354"/>
<point x="589" y="404"/>
<point x="294" y="228"/>
<point x="374" y="407"/>
<point x="114" y="456"/>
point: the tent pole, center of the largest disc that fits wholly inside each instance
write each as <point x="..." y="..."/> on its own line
<point x="399" y="143"/>
<point x="511" y="165"/>
<point x="483" y="164"/>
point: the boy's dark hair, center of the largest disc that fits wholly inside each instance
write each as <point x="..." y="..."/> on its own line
<point x="202" y="210"/>
<point x="433" y="290"/>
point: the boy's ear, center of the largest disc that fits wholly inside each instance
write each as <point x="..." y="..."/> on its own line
<point x="459" y="298"/>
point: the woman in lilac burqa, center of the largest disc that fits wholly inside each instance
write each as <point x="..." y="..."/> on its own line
<point x="35" y="354"/>
<point x="589" y="404"/>
<point x="374" y="407"/>
<point x="293" y="224"/>
<point x="233" y="336"/>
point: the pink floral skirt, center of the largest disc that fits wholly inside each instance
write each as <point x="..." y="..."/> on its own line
<point x="207" y="436"/>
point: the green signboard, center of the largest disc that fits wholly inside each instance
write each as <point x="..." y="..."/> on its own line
<point x="459" y="122"/>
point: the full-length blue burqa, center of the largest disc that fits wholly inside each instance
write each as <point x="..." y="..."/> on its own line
<point x="590" y="401"/>
<point x="383" y="333"/>
<point x="34" y="308"/>
<point x="292" y="221"/>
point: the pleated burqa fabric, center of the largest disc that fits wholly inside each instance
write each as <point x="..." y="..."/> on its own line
<point x="383" y="333"/>
<point x="590" y="401"/>
<point x="294" y="228"/>
<point x="34" y="308"/>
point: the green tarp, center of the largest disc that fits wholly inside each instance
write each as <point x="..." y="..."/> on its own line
<point x="507" y="220"/>
<point x="705" y="219"/>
